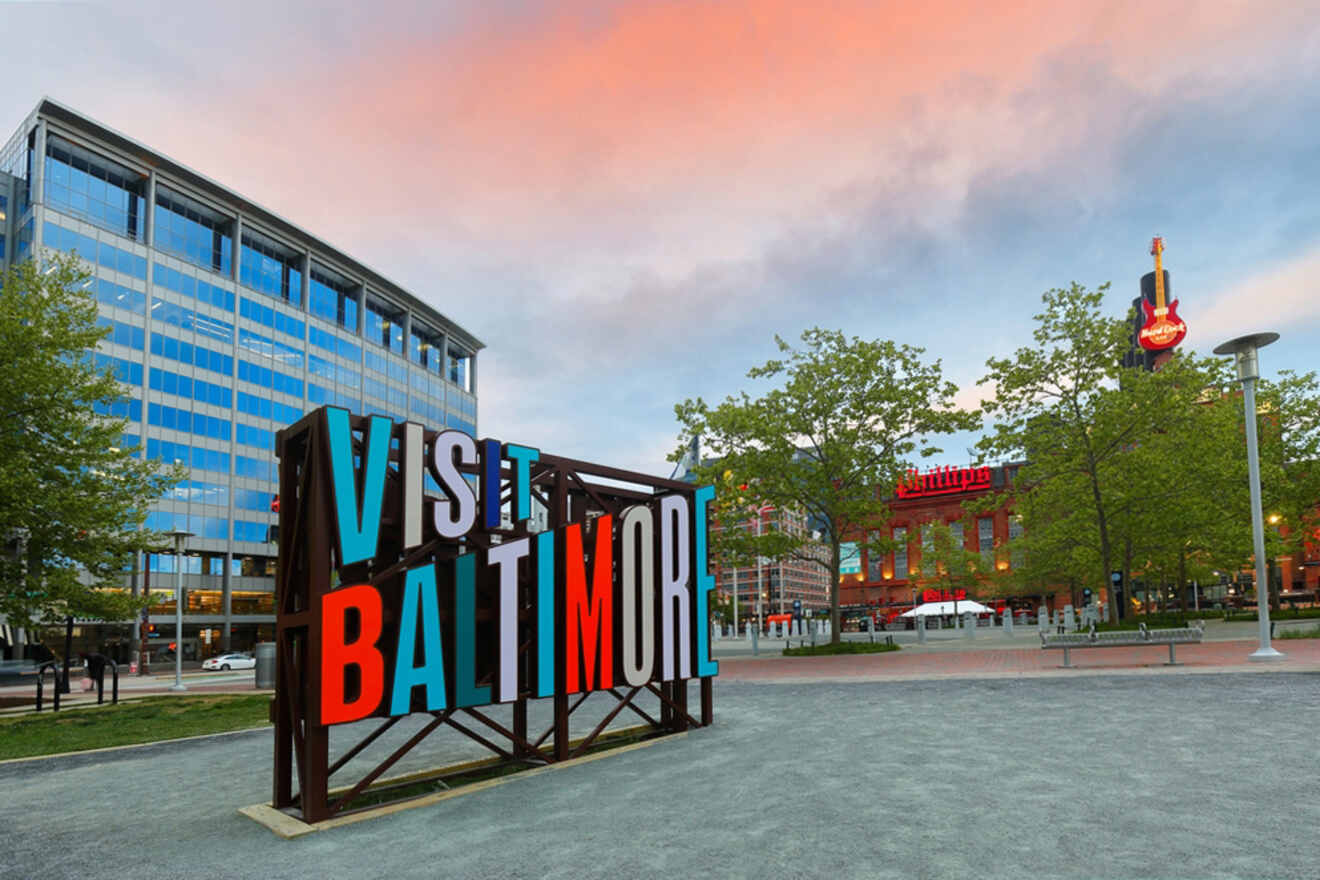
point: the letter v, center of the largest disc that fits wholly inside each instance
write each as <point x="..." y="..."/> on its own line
<point x="358" y="526"/>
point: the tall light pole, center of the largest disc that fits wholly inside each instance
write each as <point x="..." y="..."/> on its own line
<point x="1244" y="349"/>
<point x="760" y="512"/>
<point x="179" y="536"/>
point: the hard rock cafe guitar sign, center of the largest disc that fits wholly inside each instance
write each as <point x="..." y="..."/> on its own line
<point x="1163" y="328"/>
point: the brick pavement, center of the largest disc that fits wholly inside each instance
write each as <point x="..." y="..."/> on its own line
<point x="1303" y="655"/>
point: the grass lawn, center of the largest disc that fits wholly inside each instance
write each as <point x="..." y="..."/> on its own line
<point x="148" y="720"/>
<point x="1300" y="633"/>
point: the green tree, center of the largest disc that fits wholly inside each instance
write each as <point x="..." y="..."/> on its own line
<point x="71" y="499"/>
<point x="1289" y="431"/>
<point x="832" y="441"/>
<point x="1125" y="468"/>
<point x="947" y="565"/>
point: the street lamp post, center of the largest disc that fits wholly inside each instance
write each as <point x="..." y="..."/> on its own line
<point x="1244" y="350"/>
<point x="760" y="513"/>
<point x="179" y="536"/>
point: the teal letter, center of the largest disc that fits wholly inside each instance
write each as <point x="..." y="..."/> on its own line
<point x="419" y="586"/>
<point x="466" y="692"/>
<point x="545" y="614"/>
<point x="705" y="583"/>
<point x="357" y="529"/>
<point x="522" y="458"/>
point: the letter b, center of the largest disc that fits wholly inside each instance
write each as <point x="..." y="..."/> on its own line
<point x="337" y="655"/>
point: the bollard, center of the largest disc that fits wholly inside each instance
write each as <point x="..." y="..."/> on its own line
<point x="756" y="633"/>
<point x="921" y="629"/>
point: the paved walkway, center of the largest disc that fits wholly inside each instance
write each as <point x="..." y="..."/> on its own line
<point x="927" y="662"/>
<point x="1113" y="776"/>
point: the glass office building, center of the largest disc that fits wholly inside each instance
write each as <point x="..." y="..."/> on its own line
<point x="226" y="323"/>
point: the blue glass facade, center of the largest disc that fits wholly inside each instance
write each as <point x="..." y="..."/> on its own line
<point x="221" y="346"/>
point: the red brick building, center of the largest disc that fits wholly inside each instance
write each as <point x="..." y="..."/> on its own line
<point x="893" y="582"/>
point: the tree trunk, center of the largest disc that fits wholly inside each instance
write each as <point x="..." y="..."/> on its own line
<point x="1127" y="578"/>
<point x="1182" y="580"/>
<point x="834" y="589"/>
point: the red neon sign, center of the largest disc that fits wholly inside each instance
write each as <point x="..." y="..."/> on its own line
<point x="943" y="595"/>
<point x="943" y="481"/>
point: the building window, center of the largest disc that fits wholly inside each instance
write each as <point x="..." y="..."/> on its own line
<point x="425" y="347"/>
<point x="985" y="539"/>
<point x="270" y="268"/>
<point x="194" y="232"/>
<point x="900" y="554"/>
<point x="384" y="326"/>
<point x="460" y="372"/>
<point x="333" y="297"/>
<point x="1014" y="542"/>
<point x="957" y="529"/>
<point x="875" y="561"/>
<point x="94" y="188"/>
<point x="927" y="550"/>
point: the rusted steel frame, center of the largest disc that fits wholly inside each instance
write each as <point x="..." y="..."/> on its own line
<point x="613" y="473"/>
<point x="674" y="707"/>
<point x="506" y="733"/>
<point x="286" y="705"/>
<point x="407" y="562"/>
<point x="342" y="801"/>
<point x="649" y="719"/>
<point x="370" y="738"/>
<point x="568" y="711"/>
<point x="315" y="566"/>
<point x="293" y="446"/>
<point x="583" y="486"/>
<point x="680" y="697"/>
<point x="707" y="701"/>
<point x="476" y="737"/>
<point x="284" y="568"/>
<point x="604" y="722"/>
<point x="520" y="726"/>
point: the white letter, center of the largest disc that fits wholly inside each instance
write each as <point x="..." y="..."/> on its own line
<point x="506" y="556"/>
<point x="638" y="553"/>
<point x="446" y="474"/>
<point x="674" y="554"/>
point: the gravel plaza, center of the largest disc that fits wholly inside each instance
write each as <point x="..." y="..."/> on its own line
<point x="869" y="768"/>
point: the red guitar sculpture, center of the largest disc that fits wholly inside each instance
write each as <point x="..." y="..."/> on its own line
<point x="1163" y="328"/>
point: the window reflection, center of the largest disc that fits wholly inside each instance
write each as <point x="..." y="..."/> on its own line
<point x="333" y="297"/>
<point x="270" y="267"/>
<point x="384" y="325"/>
<point x="189" y="229"/>
<point x="94" y="188"/>
<point x="426" y="347"/>
<point x="459" y="368"/>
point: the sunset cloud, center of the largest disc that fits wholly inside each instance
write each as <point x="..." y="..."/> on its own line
<point x="626" y="200"/>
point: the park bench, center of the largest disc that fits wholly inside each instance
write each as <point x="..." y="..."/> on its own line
<point x="1069" y="642"/>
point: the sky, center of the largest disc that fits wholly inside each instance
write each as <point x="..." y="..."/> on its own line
<point x="627" y="201"/>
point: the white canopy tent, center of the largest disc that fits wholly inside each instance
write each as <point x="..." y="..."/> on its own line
<point x="941" y="609"/>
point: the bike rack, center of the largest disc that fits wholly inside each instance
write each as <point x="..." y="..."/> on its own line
<point x="96" y="664"/>
<point x="55" y="675"/>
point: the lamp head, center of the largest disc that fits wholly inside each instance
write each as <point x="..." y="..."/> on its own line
<point x="1243" y="349"/>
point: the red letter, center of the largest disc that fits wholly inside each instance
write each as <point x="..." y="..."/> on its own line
<point x="336" y="656"/>
<point x="589" y="620"/>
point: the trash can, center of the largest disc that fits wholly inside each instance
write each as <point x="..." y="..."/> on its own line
<point x="265" y="656"/>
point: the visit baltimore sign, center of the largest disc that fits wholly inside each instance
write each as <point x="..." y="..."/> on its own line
<point x="429" y="571"/>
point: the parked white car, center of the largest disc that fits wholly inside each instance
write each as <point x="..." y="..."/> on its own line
<point x="226" y="662"/>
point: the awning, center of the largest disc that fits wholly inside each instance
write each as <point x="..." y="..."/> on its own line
<point x="928" y="609"/>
